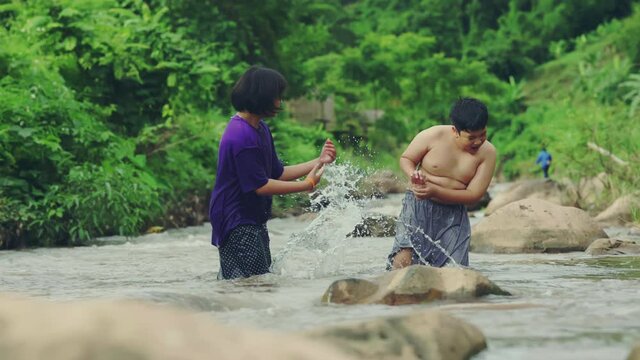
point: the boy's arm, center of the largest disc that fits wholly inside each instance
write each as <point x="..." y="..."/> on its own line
<point x="414" y="153"/>
<point x="476" y="188"/>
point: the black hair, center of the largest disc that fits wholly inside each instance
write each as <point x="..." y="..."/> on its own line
<point x="469" y="114"/>
<point x="257" y="90"/>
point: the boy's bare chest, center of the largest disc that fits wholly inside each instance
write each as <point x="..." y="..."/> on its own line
<point x="451" y="163"/>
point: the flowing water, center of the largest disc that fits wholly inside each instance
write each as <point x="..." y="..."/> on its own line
<point x="564" y="306"/>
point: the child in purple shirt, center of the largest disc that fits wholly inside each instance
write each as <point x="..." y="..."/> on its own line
<point x="249" y="173"/>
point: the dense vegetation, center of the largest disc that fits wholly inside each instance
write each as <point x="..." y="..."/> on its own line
<point x="110" y="110"/>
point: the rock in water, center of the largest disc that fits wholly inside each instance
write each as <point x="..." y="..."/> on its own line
<point x="425" y="335"/>
<point x="123" y="330"/>
<point x="534" y="225"/>
<point x="613" y="247"/>
<point x="412" y="285"/>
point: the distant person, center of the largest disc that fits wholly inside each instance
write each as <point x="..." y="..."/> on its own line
<point x="544" y="160"/>
<point x="449" y="166"/>
<point x="249" y="173"/>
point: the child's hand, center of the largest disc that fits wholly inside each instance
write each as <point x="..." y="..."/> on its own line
<point x="418" y="177"/>
<point x="314" y="175"/>
<point x="328" y="153"/>
<point x="423" y="191"/>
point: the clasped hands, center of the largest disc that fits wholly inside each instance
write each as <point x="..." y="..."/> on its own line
<point x="420" y="185"/>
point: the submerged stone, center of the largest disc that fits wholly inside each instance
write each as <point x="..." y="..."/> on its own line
<point x="429" y="335"/>
<point x="412" y="285"/>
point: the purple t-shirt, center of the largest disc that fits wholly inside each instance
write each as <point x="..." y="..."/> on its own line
<point x="247" y="159"/>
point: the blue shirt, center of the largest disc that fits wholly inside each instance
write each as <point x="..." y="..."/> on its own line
<point x="544" y="159"/>
<point x="247" y="159"/>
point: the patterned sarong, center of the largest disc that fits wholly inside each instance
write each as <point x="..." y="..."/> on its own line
<point x="436" y="232"/>
<point x="245" y="252"/>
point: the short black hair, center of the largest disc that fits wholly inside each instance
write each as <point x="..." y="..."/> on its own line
<point x="257" y="90"/>
<point x="469" y="114"/>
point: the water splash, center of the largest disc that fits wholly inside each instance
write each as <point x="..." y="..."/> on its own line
<point x="316" y="252"/>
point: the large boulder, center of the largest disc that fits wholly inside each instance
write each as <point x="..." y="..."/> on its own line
<point x="424" y="335"/>
<point x="411" y="285"/>
<point x="549" y="190"/>
<point x="534" y="225"/>
<point x="120" y="330"/>
<point x="613" y="247"/>
<point x="620" y="212"/>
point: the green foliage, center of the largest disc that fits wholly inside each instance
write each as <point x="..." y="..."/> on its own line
<point x="626" y="38"/>
<point x="633" y="96"/>
<point x="580" y="98"/>
<point x="112" y="110"/>
<point x="107" y="199"/>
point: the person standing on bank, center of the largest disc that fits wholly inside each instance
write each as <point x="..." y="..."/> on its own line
<point x="249" y="172"/>
<point x="449" y="166"/>
<point x="544" y="160"/>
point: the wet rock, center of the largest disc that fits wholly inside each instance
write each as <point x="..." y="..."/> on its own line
<point x="549" y="190"/>
<point x="425" y="335"/>
<point x="620" y="212"/>
<point x="375" y="225"/>
<point x="85" y="330"/>
<point x="635" y="353"/>
<point x="534" y="225"/>
<point x="412" y="285"/>
<point x="613" y="247"/>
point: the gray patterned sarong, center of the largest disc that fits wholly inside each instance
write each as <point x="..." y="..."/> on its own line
<point x="436" y="232"/>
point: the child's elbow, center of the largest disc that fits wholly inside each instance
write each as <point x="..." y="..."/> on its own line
<point x="474" y="199"/>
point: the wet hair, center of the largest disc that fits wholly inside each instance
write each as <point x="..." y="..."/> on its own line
<point x="469" y="114"/>
<point x="257" y="90"/>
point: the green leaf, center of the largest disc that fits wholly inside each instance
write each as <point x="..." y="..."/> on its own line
<point x="171" y="80"/>
<point x="69" y="12"/>
<point x="23" y="132"/>
<point x="139" y="160"/>
<point x="69" y="43"/>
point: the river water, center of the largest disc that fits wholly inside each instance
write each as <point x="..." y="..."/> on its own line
<point x="564" y="306"/>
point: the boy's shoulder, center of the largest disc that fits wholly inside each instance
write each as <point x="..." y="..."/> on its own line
<point x="434" y="131"/>
<point x="437" y="129"/>
<point x="488" y="150"/>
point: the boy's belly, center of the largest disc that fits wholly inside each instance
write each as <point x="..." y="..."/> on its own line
<point x="444" y="181"/>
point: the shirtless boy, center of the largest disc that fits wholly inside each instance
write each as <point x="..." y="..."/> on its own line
<point x="449" y="167"/>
